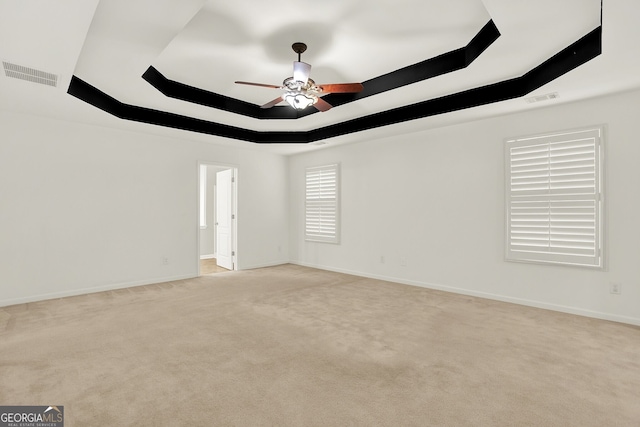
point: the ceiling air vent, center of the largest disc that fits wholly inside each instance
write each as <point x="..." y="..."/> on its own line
<point x="29" y="74"/>
<point x="539" y="98"/>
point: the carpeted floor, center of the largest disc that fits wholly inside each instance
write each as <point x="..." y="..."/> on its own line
<point x="293" y="346"/>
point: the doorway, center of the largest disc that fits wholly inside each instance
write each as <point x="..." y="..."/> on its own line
<point x="210" y="266"/>
<point x="217" y="212"/>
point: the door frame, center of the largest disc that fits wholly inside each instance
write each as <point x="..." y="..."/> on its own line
<point x="234" y="210"/>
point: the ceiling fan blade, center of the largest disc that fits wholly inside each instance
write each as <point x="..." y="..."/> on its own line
<point x="272" y="103"/>
<point x="301" y="71"/>
<point x="259" y="84"/>
<point x="341" y="88"/>
<point x="322" y="105"/>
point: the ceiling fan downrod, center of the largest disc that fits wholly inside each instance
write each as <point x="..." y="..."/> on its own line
<point x="299" y="48"/>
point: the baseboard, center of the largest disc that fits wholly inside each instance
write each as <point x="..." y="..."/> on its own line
<point x="211" y="256"/>
<point x="496" y="297"/>
<point x="269" y="264"/>
<point x="84" y="291"/>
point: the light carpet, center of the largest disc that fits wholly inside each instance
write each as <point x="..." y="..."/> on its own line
<point x="294" y="346"/>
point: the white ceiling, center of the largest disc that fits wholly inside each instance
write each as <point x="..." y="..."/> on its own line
<point x="210" y="44"/>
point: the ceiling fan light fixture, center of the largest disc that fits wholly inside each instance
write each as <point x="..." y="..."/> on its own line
<point x="300" y="91"/>
<point x="300" y="100"/>
<point x="301" y="72"/>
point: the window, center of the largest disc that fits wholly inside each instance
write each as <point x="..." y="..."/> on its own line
<point x="203" y="196"/>
<point x="322" y="204"/>
<point x="554" y="198"/>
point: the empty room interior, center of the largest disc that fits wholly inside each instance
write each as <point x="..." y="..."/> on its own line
<point x="286" y="213"/>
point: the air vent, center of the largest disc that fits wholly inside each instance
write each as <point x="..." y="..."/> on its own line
<point x="29" y="74"/>
<point x="540" y="98"/>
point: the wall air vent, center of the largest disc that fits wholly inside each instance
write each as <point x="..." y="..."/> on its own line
<point x="30" y="74"/>
<point x="546" y="97"/>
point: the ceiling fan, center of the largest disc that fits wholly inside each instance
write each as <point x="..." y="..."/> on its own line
<point x="300" y="91"/>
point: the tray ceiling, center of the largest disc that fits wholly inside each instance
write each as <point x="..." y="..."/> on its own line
<point x="207" y="45"/>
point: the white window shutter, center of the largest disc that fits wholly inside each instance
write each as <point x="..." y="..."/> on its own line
<point x="554" y="198"/>
<point x="322" y="203"/>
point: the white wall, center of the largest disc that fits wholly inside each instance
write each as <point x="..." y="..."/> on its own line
<point x="86" y="208"/>
<point x="436" y="200"/>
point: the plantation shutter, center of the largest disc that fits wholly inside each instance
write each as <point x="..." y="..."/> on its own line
<point x="321" y="203"/>
<point x="554" y="198"/>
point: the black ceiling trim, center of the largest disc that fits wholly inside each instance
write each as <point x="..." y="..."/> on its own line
<point x="578" y="53"/>
<point x="442" y="64"/>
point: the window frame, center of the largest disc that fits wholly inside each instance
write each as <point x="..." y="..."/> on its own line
<point x="330" y="206"/>
<point x="559" y="201"/>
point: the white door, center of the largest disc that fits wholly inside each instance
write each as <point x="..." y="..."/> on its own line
<point x="224" y="219"/>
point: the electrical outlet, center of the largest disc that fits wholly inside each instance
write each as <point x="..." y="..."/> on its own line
<point x="616" y="288"/>
<point x="165" y="260"/>
<point x="381" y="259"/>
<point x="403" y="262"/>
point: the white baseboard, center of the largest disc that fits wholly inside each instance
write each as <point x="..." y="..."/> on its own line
<point x="269" y="264"/>
<point x="84" y="291"/>
<point x="211" y="256"/>
<point x="497" y="297"/>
